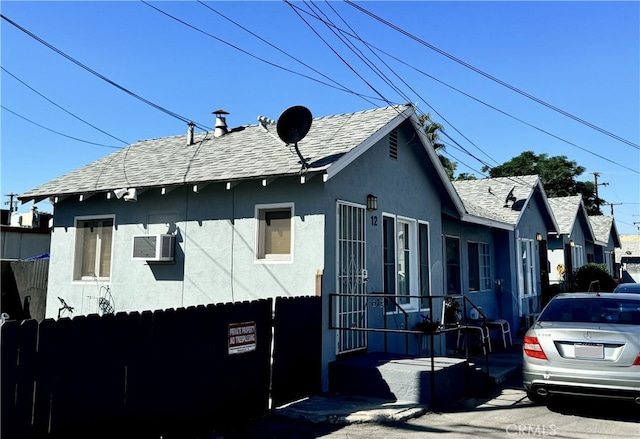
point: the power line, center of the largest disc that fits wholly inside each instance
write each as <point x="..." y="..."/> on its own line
<point x="249" y="53"/>
<point x="330" y="25"/>
<point x="340" y="57"/>
<point x="486" y="104"/>
<point x="513" y="117"/>
<point x="57" y="132"/>
<point x="63" y="109"/>
<point x="376" y="70"/>
<point x="493" y="78"/>
<point x="342" y="87"/>
<point x="104" y="78"/>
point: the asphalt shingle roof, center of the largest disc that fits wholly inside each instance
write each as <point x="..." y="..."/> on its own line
<point x="498" y="199"/>
<point x="602" y="227"/>
<point x="244" y="153"/>
<point x="565" y="209"/>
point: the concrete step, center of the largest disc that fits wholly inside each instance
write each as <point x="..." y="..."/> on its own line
<point x="400" y="378"/>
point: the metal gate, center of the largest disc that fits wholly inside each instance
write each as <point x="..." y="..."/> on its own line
<point x="352" y="276"/>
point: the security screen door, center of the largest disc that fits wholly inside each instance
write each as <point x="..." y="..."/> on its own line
<point x="351" y="307"/>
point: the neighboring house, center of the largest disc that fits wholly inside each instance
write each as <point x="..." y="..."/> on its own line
<point x="605" y="243"/>
<point x="28" y="235"/>
<point x="568" y="248"/>
<point x="500" y="261"/>
<point x="24" y="250"/>
<point x="247" y="220"/>
<point x="628" y="258"/>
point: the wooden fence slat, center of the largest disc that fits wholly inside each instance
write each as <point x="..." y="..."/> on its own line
<point x="64" y="364"/>
<point x="45" y="376"/>
<point x="140" y="374"/>
<point x="9" y="376"/>
<point x="296" y="371"/>
<point x="27" y="368"/>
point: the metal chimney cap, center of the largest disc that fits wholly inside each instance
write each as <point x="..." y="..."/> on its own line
<point x="220" y="111"/>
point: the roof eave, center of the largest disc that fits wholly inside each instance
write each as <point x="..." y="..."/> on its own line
<point x="474" y="219"/>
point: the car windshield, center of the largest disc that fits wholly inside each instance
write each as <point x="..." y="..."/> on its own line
<point x="628" y="288"/>
<point x="592" y="309"/>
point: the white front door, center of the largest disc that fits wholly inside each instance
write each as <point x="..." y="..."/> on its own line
<point x="351" y="277"/>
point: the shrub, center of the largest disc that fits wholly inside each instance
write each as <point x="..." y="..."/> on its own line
<point x="593" y="272"/>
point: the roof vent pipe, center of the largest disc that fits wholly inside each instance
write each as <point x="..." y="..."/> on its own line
<point x="221" y="123"/>
<point x="190" y="127"/>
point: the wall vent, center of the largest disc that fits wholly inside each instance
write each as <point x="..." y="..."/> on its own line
<point x="393" y="144"/>
<point x="157" y="247"/>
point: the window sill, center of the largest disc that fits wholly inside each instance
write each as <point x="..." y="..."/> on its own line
<point x="273" y="261"/>
<point x="92" y="280"/>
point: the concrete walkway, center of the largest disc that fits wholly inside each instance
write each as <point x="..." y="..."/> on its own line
<point x="349" y="409"/>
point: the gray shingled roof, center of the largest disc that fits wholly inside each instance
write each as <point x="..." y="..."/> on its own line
<point x="566" y="210"/>
<point x="246" y="153"/>
<point x="487" y="198"/>
<point x="602" y="226"/>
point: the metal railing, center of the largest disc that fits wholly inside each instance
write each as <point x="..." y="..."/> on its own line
<point x="451" y="320"/>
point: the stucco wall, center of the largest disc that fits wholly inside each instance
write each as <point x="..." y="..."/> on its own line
<point x="215" y="256"/>
<point x="406" y="187"/>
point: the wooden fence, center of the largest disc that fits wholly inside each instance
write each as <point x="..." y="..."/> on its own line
<point x="188" y="370"/>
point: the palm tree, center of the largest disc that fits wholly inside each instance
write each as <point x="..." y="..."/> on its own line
<point x="432" y="130"/>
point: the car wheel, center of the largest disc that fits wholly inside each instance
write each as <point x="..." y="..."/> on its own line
<point x="535" y="398"/>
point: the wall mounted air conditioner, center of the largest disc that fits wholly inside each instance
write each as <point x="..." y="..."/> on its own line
<point x="157" y="247"/>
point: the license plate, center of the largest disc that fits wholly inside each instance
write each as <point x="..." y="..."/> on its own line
<point x="587" y="350"/>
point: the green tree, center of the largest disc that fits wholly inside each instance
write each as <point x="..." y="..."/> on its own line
<point x="466" y="176"/>
<point x="558" y="174"/>
<point x="432" y="130"/>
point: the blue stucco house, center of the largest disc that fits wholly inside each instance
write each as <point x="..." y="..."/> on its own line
<point x="499" y="259"/>
<point x="237" y="214"/>
<point x="606" y="240"/>
<point x="568" y="249"/>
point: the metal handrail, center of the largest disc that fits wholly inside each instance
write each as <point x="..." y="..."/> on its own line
<point x="442" y="328"/>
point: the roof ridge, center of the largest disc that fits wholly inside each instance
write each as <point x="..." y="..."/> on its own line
<point x="370" y="110"/>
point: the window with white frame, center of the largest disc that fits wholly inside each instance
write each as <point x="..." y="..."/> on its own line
<point x="94" y="240"/>
<point x="405" y="255"/>
<point x="479" y="266"/>
<point x="577" y="256"/>
<point x="405" y="261"/>
<point x="274" y="232"/>
<point x="527" y="268"/>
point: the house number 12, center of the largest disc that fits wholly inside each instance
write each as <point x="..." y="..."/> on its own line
<point x="374" y="220"/>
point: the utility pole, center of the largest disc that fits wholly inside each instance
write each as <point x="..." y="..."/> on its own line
<point x="613" y="204"/>
<point x="596" y="184"/>
<point x="12" y="207"/>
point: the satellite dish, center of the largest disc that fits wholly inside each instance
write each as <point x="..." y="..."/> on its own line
<point x="293" y="124"/>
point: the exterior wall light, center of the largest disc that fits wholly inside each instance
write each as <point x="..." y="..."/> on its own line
<point x="572" y="244"/>
<point x="538" y="237"/>
<point x="372" y="202"/>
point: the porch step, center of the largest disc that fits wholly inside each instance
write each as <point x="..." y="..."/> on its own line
<point x="399" y="378"/>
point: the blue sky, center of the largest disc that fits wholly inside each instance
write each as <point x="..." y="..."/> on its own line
<point x="581" y="57"/>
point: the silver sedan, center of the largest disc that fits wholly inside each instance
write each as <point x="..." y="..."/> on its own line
<point x="585" y="344"/>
